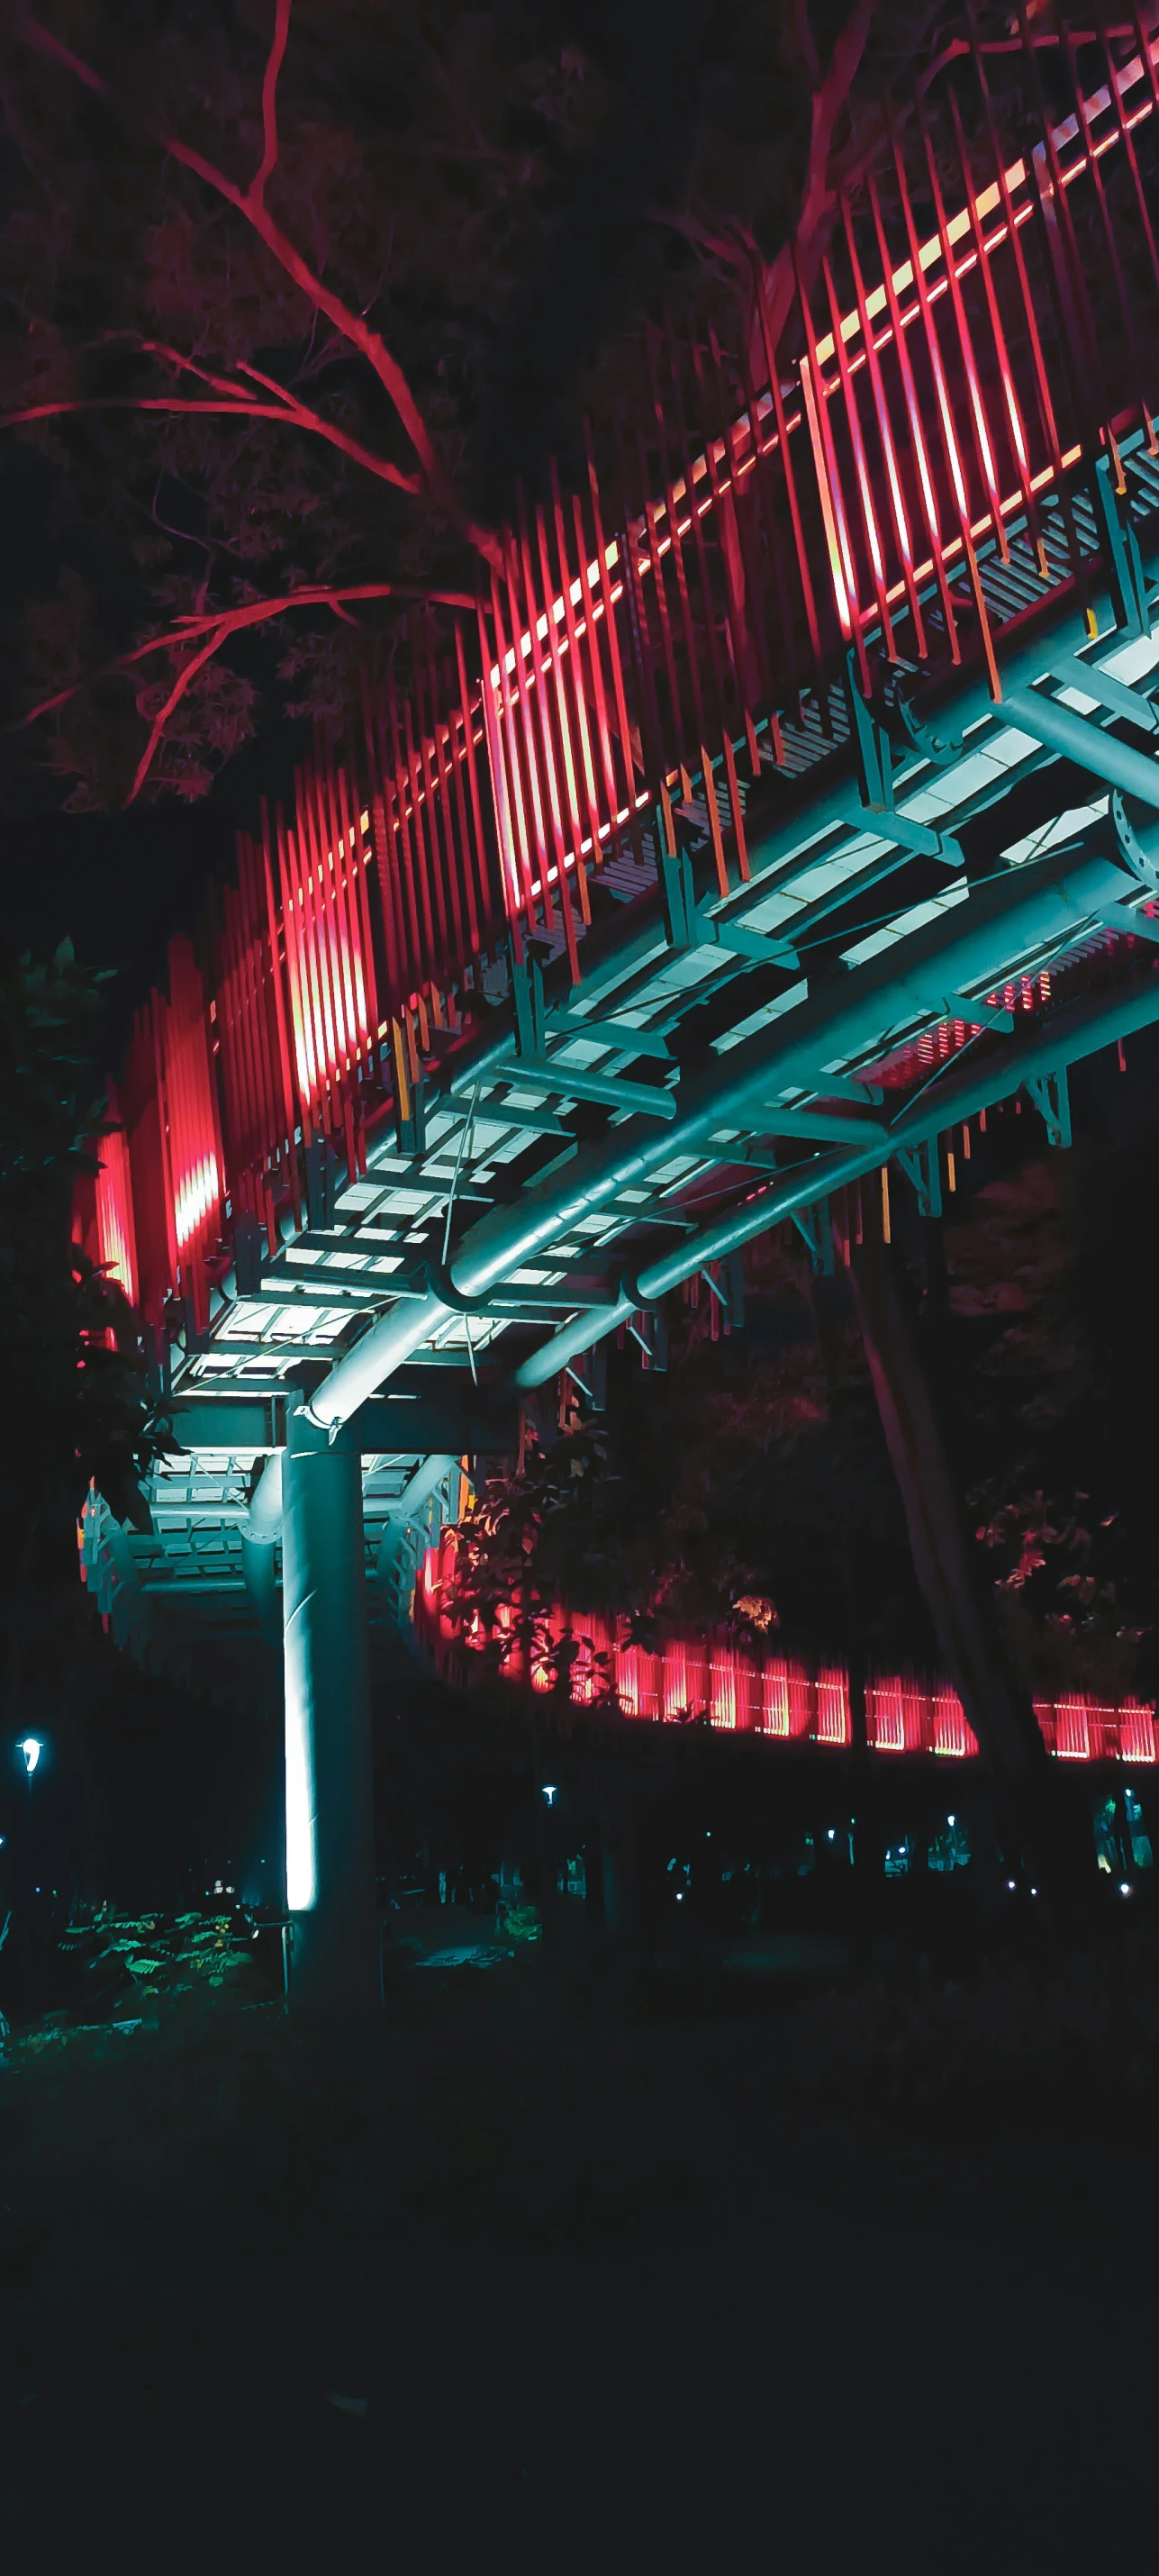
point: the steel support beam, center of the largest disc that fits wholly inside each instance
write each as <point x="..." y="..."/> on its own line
<point x="414" y="1498"/>
<point x="260" y="1533"/>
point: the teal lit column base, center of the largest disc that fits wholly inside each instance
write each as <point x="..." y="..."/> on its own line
<point x="330" y="1889"/>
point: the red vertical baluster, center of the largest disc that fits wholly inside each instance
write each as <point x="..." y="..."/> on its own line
<point x="874" y="546"/>
<point x="1019" y="451"/>
<point x="651" y="568"/>
<point x="925" y="472"/>
<point x="301" y="1014"/>
<point x="286" y="1062"/>
<point x="803" y="568"/>
<point x="385" y="842"/>
<point x="439" y="849"/>
<point x="507" y="772"/>
<point x="1042" y="386"/>
<point x="576" y="665"/>
<point x="842" y="570"/>
<point x="609" y="637"/>
<point x="481" y="900"/>
<point x="983" y="443"/>
<point x="946" y="418"/>
<point x="570" y="711"/>
<point x="1127" y="140"/>
<point x="410" y="872"/>
<point x="526" y="712"/>
<point x="315" y="887"/>
<point x="892" y="461"/>
<point x="428" y="933"/>
<point x="1110" y="236"/>
<point x="541" y="655"/>
<point x="443" y="765"/>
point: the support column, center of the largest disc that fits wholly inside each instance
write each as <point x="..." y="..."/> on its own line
<point x="330" y="1889"/>
<point x="260" y="1534"/>
<point x="961" y="1608"/>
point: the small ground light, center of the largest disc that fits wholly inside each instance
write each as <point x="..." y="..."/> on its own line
<point x="830" y="1835"/>
<point x="551" y="1794"/>
<point x="31" y="1749"/>
<point x="1124" y="1887"/>
<point x="1012" y="1884"/>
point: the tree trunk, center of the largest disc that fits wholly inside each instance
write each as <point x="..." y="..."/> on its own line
<point x="970" y="1643"/>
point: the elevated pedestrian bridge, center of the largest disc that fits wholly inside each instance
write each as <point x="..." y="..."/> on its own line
<point x="774" y="817"/>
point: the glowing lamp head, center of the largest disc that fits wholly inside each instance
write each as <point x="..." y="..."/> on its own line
<point x="31" y="1750"/>
<point x="551" y="1794"/>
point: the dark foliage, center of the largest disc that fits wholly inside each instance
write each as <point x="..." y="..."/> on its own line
<point x="294" y="299"/>
<point x="75" y="1393"/>
<point x="753" y="1478"/>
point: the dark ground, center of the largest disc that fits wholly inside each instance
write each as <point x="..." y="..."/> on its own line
<point x="634" y="2270"/>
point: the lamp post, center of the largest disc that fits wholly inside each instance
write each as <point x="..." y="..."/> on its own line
<point x="29" y="1751"/>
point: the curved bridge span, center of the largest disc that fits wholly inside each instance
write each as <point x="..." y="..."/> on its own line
<point x="780" y="810"/>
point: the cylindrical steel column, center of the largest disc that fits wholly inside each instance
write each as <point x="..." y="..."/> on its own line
<point x="330" y="1891"/>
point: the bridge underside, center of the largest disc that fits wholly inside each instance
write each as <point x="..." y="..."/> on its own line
<point x="886" y="971"/>
<point x="774" y="839"/>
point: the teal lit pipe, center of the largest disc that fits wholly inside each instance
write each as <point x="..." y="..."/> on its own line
<point x="1074" y="737"/>
<point x="260" y="1530"/>
<point x="1075" y="1034"/>
<point x="974" y="945"/>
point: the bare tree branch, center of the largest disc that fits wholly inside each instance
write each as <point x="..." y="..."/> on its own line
<point x="731" y="243"/>
<point x="250" y="203"/>
<point x="820" y="195"/>
<point x="294" y="414"/>
<point x="188" y="672"/>
<point x="217" y="625"/>
<point x="270" y="102"/>
<point x="806" y="42"/>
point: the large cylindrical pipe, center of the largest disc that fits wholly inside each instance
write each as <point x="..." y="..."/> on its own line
<point x="1062" y="729"/>
<point x="260" y="1531"/>
<point x="330" y="1885"/>
<point x="375" y="1358"/>
<point x="970" y="947"/>
<point x="259" y="1565"/>
<point x="581" y="1334"/>
<point x="1073" y="1034"/>
<point x="263" y="1521"/>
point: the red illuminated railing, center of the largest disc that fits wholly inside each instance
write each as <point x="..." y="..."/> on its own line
<point x="904" y="468"/>
<point x="104" y="1209"/>
<point x="743" y="1692"/>
<point x="169" y="1102"/>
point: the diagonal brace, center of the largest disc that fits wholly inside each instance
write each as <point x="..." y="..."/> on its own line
<point x="922" y="1165"/>
<point x="1050" y="1093"/>
<point x="815" y="1228"/>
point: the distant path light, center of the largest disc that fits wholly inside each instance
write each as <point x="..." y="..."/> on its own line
<point x="31" y="1749"/>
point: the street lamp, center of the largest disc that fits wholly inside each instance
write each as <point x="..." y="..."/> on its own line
<point x="32" y="1748"/>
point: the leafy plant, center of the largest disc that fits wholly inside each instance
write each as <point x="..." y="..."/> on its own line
<point x="161" y="1955"/>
